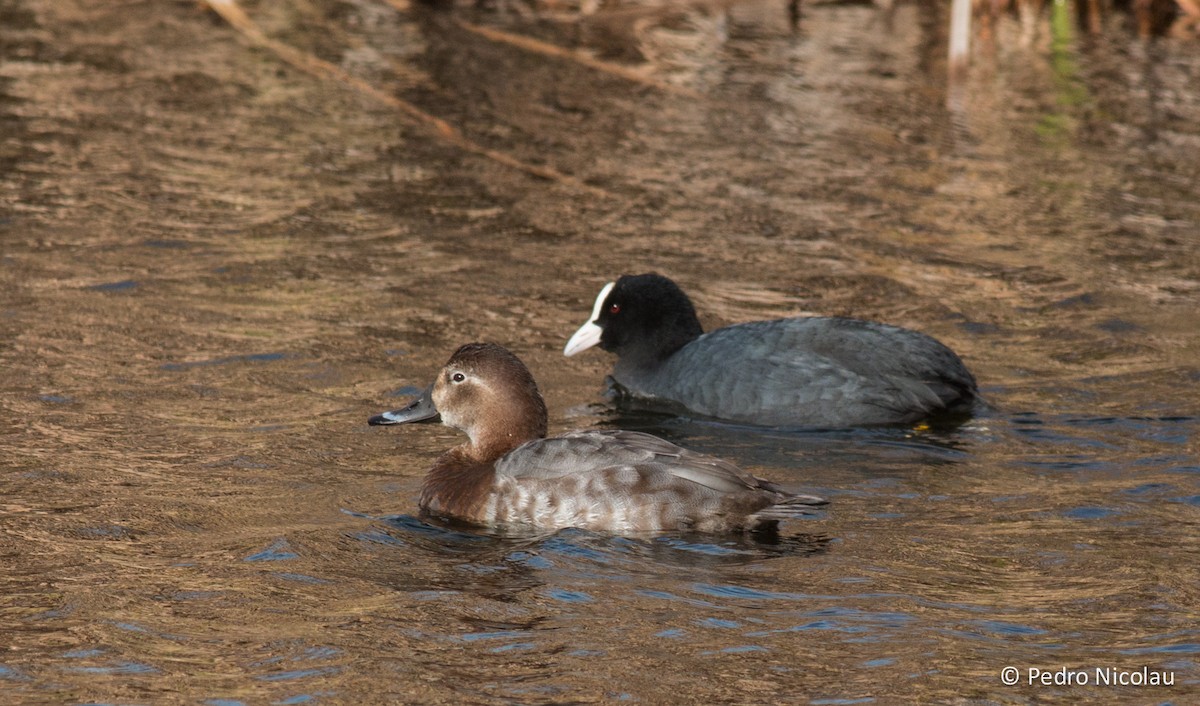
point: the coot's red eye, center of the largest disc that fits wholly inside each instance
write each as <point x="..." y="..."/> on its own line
<point x="614" y="309"/>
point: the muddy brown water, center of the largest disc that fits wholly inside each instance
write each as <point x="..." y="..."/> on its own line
<point x="215" y="267"/>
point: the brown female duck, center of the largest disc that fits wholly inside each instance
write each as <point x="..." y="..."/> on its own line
<point x="508" y="473"/>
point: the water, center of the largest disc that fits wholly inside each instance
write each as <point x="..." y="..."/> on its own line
<point x="216" y="266"/>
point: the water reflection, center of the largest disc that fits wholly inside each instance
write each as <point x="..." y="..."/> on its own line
<point x="535" y="549"/>
<point x="943" y="441"/>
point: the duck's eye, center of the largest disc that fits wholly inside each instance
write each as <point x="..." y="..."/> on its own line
<point x="457" y="377"/>
<point x="614" y="309"/>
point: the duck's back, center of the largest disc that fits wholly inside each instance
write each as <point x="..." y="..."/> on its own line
<point x="621" y="481"/>
<point x="820" y="371"/>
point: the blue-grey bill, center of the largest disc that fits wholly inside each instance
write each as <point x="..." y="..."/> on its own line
<point x="419" y="410"/>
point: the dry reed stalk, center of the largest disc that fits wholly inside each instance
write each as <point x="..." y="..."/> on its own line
<point x="237" y="18"/>
<point x="537" y="46"/>
<point x="545" y="48"/>
<point x="959" y="46"/>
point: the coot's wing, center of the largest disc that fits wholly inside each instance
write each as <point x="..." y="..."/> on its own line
<point x="813" y="371"/>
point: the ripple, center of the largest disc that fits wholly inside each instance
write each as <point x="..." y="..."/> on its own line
<point x="514" y="646"/>
<point x="1180" y="648"/>
<point x="122" y="286"/>
<point x="126" y="667"/>
<point x="228" y="360"/>
<point x="300" y="578"/>
<point x="495" y="635"/>
<point x="566" y="596"/>
<point x="1090" y="513"/>
<point x="1002" y="628"/>
<point x="279" y="550"/>
<point x="668" y="596"/>
<point x="729" y="591"/>
<point x="13" y="674"/>
<point x="295" y="674"/>
<point x="737" y="649"/>
<point x="303" y="698"/>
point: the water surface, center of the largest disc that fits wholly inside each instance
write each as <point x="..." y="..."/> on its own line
<point x="215" y="266"/>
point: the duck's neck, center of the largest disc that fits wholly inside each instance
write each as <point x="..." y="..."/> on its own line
<point x="460" y="480"/>
<point x="458" y="484"/>
<point x="497" y="439"/>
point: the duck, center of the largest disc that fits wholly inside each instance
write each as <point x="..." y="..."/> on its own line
<point x="805" y="372"/>
<point x="509" y="474"/>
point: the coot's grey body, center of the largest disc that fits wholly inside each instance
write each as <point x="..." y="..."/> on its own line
<point x="799" y="372"/>
<point x="810" y="372"/>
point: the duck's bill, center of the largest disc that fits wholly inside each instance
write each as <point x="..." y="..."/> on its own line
<point x="419" y="410"/>
<point x="589" y="334"/>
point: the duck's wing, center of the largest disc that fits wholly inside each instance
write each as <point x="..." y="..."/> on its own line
<point x="594" y="451"/>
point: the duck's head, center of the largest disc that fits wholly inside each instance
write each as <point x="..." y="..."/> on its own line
<point x="638" y="316"/>
<point x="485" y="391"/>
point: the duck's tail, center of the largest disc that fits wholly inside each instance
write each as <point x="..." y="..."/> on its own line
<point x="790" y="507"/>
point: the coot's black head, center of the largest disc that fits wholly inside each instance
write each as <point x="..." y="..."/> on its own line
<point x="643" y="317"/>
